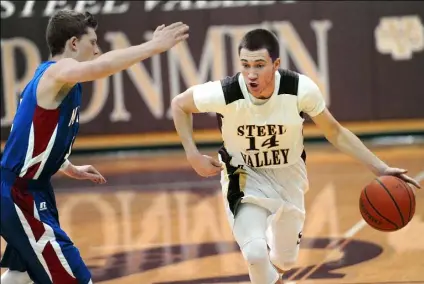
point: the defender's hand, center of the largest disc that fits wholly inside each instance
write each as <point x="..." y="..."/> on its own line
<point x="168" y="36"/>
<point x="84" y="172"/>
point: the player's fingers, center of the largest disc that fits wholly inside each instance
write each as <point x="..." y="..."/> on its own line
<point x="90" y="176"/>
<point x="93" y="170"/>
<point x="396" y="171"/>
<point x="203" y="173"/>
<point x="160" y="27"/>
<point x="207" y="172"/>
<point x="216" y="163"/>
<point x="180" y="34"/>
<point x="213" y="171"/>
<point x="98" y="179"/>
<point x="93" y="174"/>
<point x="174" y="25"/>
<point x="178" y="39"/>
<point x="101" y="178"/>
<point x="182" y="30"/>
<point x="181" y="38"/>
<point x="410" y="180"/>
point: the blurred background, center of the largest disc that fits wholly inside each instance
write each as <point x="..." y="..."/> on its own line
<point x="156" y="221"/>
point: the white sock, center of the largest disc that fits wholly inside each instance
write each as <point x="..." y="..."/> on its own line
<point x="15" y="277"/>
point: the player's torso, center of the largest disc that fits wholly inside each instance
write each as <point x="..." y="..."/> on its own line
<point x="40" y="139"/>
<point x="264" y="136"/>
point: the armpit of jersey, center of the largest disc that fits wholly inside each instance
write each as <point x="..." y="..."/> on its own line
<point x="209" y="97"/>
<point x="310" y="99"/>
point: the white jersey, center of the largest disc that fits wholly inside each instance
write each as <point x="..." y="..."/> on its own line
<point x="267" y="135"/>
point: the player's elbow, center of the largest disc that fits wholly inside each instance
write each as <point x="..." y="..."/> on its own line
<point x="184" y="102"/>
<point x="177" y="104"/>
<point x="336" y="134"/>
<point x="331" y="131"/>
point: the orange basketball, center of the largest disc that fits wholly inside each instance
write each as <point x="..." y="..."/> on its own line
<point x="387" y="203"/>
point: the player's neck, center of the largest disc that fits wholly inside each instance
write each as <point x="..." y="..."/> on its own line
<point x="266" y="94"/>
<point x="60" y="56"/>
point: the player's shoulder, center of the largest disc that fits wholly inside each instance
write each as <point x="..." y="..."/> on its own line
<point x="56" y="69"/>
<point x="289" y="82"/>
<point x="230" y="81"/>
<point x="231" y="88"/>
<point x="307" y="85"/>
<point x="295" y="78"/>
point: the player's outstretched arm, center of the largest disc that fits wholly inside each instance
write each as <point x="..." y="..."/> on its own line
<point x="183" y="107"/>
<point x="71" y="71"/>
<point x="349" y="143"/>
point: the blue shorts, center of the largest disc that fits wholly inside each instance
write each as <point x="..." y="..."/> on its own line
<point x="35" y="241"/>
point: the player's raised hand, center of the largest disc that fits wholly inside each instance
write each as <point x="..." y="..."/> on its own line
<point x="168" y="36"/>
<point x="87" y="172"/>
<point x="205" y="166"/>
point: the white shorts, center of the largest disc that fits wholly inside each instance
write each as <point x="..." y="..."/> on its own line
<point x="268" y="188"/>
<point x="281" y="192"/>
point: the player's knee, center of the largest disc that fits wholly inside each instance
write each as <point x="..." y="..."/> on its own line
<point x="255" y="252"/>
<point x="15" y="277"/>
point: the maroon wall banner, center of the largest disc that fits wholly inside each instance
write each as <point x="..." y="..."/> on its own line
<point x="366" y="57"/>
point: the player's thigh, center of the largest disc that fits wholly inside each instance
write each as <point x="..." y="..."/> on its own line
<point x="250" y="223"/>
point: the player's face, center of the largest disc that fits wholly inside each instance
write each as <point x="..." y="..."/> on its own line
<point x="259" y="72"/>
<point x="86" y="47"/>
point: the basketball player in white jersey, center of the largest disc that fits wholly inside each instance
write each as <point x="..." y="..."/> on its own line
<point x="264" y="175"/>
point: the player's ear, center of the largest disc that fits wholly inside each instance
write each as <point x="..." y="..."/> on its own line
<point x="276" y="63"/>
<point x="73" y="41"/>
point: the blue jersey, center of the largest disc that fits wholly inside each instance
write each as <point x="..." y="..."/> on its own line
<point x="41" y="139"/>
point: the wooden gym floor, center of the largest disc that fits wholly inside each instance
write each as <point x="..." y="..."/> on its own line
<point x="156" y="222"/>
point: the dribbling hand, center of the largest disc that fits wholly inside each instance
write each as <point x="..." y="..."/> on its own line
<point x="400" y="173"/>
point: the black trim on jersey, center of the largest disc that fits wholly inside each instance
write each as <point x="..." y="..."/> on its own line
<point x="234" y="193"/>
<point x="303" y="156"/>
<point x="289" y="82"/>
<point x="231" y="89"/>
<point x="219" y="117"/>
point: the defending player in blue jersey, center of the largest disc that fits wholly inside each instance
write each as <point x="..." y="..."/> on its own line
<point x="41" y="138"/>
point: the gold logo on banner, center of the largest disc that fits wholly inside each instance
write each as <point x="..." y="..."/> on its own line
<point x="400" y="36"/>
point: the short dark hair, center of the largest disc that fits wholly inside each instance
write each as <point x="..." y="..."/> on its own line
<point x="65" y="24"/>
<point x="261" y="38"/>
